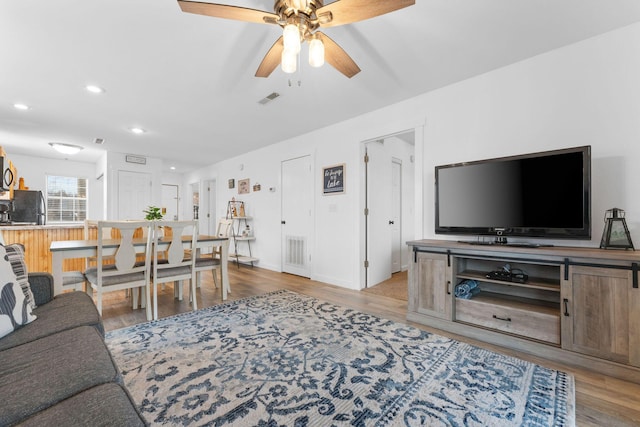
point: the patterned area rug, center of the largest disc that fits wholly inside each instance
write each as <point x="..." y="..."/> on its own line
<point x="284" y="359"/>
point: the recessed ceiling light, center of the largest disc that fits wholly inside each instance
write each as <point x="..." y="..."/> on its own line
<point x="94" y="89"/>
<point x="65" y="148"/>
<point x="138" y="131"/>
<point x="21" y="106"/>
<point x="172" y="168"/>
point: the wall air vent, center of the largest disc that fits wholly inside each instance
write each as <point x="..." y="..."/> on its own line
<point x="269" y="98"/>
<point x="130" y="158"/>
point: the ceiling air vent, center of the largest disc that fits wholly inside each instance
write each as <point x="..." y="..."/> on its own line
<point x="99" y="141"/>
<point x="269" y="98"/>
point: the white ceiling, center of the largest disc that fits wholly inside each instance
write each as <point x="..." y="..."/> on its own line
<point x="189" y="79"/>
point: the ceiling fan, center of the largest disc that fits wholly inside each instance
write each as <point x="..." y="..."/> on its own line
<point x="300" y="20"/>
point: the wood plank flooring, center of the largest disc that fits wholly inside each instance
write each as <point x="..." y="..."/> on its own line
<point x="600" y="400"/>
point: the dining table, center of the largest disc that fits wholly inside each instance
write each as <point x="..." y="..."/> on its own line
<point x="68" y="249"/>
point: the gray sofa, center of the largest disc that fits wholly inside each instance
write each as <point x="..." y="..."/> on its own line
<point x="57" y="370"/>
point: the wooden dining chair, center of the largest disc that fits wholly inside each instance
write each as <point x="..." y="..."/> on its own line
<point x="171" y="263"/>
<point x="124" y="270"/>
<point x="76" y="278"/>
<point x="212" y="260"/>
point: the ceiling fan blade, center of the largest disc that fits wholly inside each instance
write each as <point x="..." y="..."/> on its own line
<point x="337" y="57"/>
<point x="228" y="12"/>
<point x="271" y="60"/>
<point x="348" y="11"/>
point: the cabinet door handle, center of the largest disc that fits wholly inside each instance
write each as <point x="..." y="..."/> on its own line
<point x="448" y="287"/>
<point x="566" y="307"/>
<point x="506" y="319"/>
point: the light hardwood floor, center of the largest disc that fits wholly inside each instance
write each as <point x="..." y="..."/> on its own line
<point x="600" y="400"/>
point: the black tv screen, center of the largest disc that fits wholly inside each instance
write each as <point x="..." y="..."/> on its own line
<point x="545" y="195"/>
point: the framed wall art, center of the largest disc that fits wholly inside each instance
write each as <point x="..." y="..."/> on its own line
<point x="333" y="179"/>
<point x="243" y="186"/>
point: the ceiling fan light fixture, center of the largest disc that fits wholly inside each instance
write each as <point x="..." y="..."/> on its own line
<point x="65" y="148"/>
<point x="316" y="53"/>
<point x="291" y="38"/>
<point x="289" y="61"/>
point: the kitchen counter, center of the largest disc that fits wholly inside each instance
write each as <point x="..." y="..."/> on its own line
<point x="37" y="240"/>
<point x="32" y="226"/>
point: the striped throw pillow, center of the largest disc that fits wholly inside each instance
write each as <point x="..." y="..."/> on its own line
<point x="15" y="311"/>
<point x="15" y="255"/>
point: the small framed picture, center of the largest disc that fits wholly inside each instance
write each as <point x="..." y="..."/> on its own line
<point x="333" y="179"/>
<point x="232" y="183"/>
<point x="243" y="186"/>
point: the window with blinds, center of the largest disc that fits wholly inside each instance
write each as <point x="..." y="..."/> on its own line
<point x="66" y="199"/>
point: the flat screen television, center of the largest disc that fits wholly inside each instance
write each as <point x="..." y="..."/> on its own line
<point x="541" y="195"/>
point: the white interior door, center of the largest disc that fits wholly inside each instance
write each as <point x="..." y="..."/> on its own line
<point x="378" y="221"/>
<point x="170" y="202"/>
<point x="297" y="191"/>
<point x="396" y="215"/>
<point x="134" y="194"/>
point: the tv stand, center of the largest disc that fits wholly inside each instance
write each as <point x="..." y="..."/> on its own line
<point x="579" y="306"/>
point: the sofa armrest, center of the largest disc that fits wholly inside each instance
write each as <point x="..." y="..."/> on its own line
<point x="42" y="287"/>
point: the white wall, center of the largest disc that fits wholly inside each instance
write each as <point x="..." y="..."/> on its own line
<point x="583" y="94"/>
<point x="336" y="250"/>
<point x="34" y="170"/>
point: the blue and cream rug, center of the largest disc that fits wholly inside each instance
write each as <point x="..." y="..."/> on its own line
<point x="284" y="359"/>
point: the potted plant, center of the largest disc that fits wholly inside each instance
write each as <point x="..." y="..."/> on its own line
<point x="153" y="213"/>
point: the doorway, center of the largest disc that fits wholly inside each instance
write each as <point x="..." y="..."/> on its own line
<point x="170" y="202"/>
<point x="195" y="200"/>
<point x="388" y="205"/>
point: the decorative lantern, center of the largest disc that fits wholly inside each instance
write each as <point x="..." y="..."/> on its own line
<point x="616" y="234"/>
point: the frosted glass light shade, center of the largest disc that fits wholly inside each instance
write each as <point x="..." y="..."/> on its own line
<point x="291" y="38"/>
<point x="65" y="148"/>
<point x="289" y="61"/>
<point x="316" y="53"/>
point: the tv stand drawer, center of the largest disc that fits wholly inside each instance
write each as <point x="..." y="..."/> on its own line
<point x="527" y="320"/>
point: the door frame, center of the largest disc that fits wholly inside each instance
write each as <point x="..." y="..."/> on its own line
<point x="418" y="194"/>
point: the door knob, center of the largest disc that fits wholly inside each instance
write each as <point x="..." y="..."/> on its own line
<point x="283" y="222"/>
<point x="391" y="223"/>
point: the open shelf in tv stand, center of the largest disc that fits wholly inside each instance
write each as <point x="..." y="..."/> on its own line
<point x="530" y="309"/>
<point x="548" y="315"/>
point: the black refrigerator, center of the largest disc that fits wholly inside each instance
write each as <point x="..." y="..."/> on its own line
<point x="28" y="206"/>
